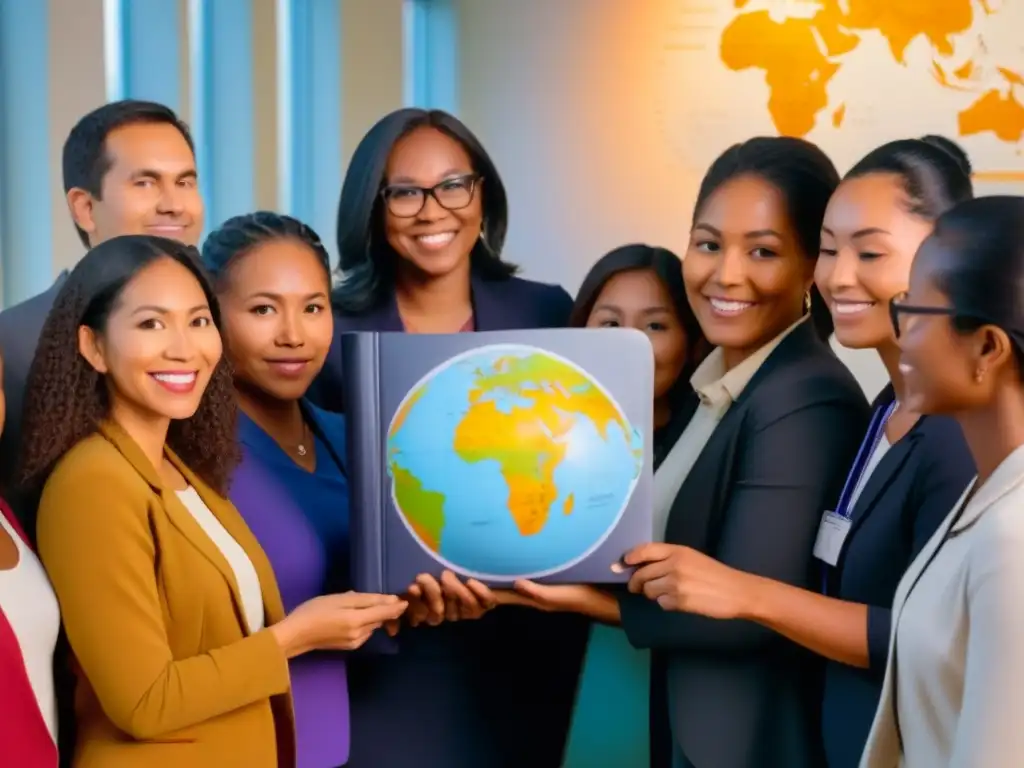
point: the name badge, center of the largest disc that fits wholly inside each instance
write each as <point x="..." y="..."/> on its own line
<point x="831" y="535"/>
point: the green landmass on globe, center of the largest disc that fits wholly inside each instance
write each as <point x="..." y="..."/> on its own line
<point x="523" y="413"/>
<point x="800" y="56"/>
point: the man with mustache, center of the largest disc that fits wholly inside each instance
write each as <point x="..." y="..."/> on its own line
<point x="129" y="168"/>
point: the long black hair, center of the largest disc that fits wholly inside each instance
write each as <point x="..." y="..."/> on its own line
<point x="67" y="398"/>
<point x="806" y="179"/>
<point x="241" y="234"/>
<point x="366" y="266"/>
<point x="980" y="244"/>
<point x="935" y="172"/>
<point x="669" y="269"/>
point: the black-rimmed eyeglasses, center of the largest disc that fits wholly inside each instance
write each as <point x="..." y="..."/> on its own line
<point x="407" y="200"/>
<point x="898" y="308"/>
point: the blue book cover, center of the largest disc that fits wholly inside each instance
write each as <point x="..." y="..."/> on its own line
<point x="498" y="455"/>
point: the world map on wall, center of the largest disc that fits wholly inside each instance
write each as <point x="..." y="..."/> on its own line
<point x="826" y="69"/>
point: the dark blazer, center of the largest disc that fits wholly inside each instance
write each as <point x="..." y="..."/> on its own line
<point x="736" y="694"/>
<point x="497" y="692"/>
<point x="498" y="305"/>
<point x="908" y="495"/>
<point x="20" y="327"/>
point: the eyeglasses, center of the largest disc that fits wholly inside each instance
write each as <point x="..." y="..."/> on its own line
<point x="899" y="308"/>
<point x="406" y="201"/>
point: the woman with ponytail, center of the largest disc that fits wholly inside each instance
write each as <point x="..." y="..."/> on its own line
<point x="775" y="425"/>
<point x="909" y="472"/>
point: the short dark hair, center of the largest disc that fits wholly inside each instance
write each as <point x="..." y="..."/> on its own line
<point x="806" y="179"/>
<point x="982" y="265"/>
<point x="935" y="172"/>
<point x="240" y="234"/>
<point x="366" y="265"/>
<point x="669" y="269"/>
<point x="67" y="398"/>
<point x="85" y="161"/>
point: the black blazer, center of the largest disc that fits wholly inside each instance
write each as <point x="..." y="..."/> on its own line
<point x="908" y="494"/>
<point x="498" y="305"/>
<point x="493" y="693"/>
<point x="736" y="694"/>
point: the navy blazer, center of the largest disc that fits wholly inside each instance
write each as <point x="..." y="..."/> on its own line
<point x="735" y="694"/>
<point x="494" y="693"/>
<point x="498" y="305"/>
<point x="907" y="496"/>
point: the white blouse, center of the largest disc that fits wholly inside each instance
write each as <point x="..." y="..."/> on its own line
<point x="30" y="606"/>
<point x="246" y="578"/>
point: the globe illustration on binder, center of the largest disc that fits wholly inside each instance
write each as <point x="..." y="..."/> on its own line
<point x="508" y="461"/>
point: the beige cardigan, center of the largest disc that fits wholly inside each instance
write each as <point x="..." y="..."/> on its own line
<point x="953" y="695"/>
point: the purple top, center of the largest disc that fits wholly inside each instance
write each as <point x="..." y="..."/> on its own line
<point x="301" y="520"/>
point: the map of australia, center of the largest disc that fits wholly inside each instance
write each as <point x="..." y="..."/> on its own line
<point x="800" y="56"/>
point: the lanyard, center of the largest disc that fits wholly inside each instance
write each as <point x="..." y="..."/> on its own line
<point x="867" y="448"/>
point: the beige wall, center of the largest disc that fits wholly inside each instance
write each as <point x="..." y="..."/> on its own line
<point x="371" y="50"/>
<point x="371" y="39"/>
<point x="76" y="86"/>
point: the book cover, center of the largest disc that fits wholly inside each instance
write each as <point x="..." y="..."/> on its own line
<point x="498" y="455"/>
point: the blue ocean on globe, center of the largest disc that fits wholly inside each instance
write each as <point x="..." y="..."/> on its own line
<point x="510" y="462"/>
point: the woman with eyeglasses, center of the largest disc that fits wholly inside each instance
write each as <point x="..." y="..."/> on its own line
<point x="910" y="468"/>
<point x="421" y="224"/>
<point x="954" y="685"/>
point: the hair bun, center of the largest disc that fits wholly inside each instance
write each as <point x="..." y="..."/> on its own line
<point x="952" y="149"/>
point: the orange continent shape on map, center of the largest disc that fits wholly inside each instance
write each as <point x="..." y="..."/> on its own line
<point x="528" y="439"/>
<point x="525" y="448"/>
<point x="796" y="70"/>
<point x="551" y="385"/>
<point x="422" y="509"/>
<point x="901" y="21"/>
<point x="994" y="112"/>
<point x="800" y="56"/>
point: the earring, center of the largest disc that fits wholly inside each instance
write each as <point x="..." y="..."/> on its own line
<point x="978" y="375"/>
<point x="807" y="302"/>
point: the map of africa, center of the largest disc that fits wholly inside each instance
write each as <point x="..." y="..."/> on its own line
<point x="511" y="462"/>
<point x="855" y="73"/>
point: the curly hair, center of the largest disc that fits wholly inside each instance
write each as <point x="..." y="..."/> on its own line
<point x="240" y="234"/>
<point x="67" y="398"/>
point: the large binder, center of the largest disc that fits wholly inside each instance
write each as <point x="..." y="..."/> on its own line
<point x="500" y="456"/>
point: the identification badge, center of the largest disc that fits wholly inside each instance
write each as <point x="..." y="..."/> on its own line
<point x="831" y="535"/>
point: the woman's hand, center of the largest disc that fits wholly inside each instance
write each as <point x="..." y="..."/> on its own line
<point x="336" y="622"/>
<point x="432" y="601"/>
<point x="683" y="579"/>
<point x="564" y="598"/>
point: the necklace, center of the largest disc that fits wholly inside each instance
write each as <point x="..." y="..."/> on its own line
<point x="300" y="448"/>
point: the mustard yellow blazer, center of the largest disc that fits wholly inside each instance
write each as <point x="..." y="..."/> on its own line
<point x="168" y="674"/>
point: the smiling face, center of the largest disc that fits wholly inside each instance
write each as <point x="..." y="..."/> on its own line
<point x="159" y="347"/>
<point x="638" y="299"/>
<point x="149" y="189"/>
<point x="435" y="241"/>
<point x="276" y="318"/>
<point x="946" y="371"/>
<point x="746" y="275"/>
<point x="868" y="242"/>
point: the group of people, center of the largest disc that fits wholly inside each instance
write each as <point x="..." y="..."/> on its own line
<point x="175" y="453"/>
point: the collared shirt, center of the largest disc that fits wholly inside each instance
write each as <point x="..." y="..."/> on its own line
<point x="718" y="389"/>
